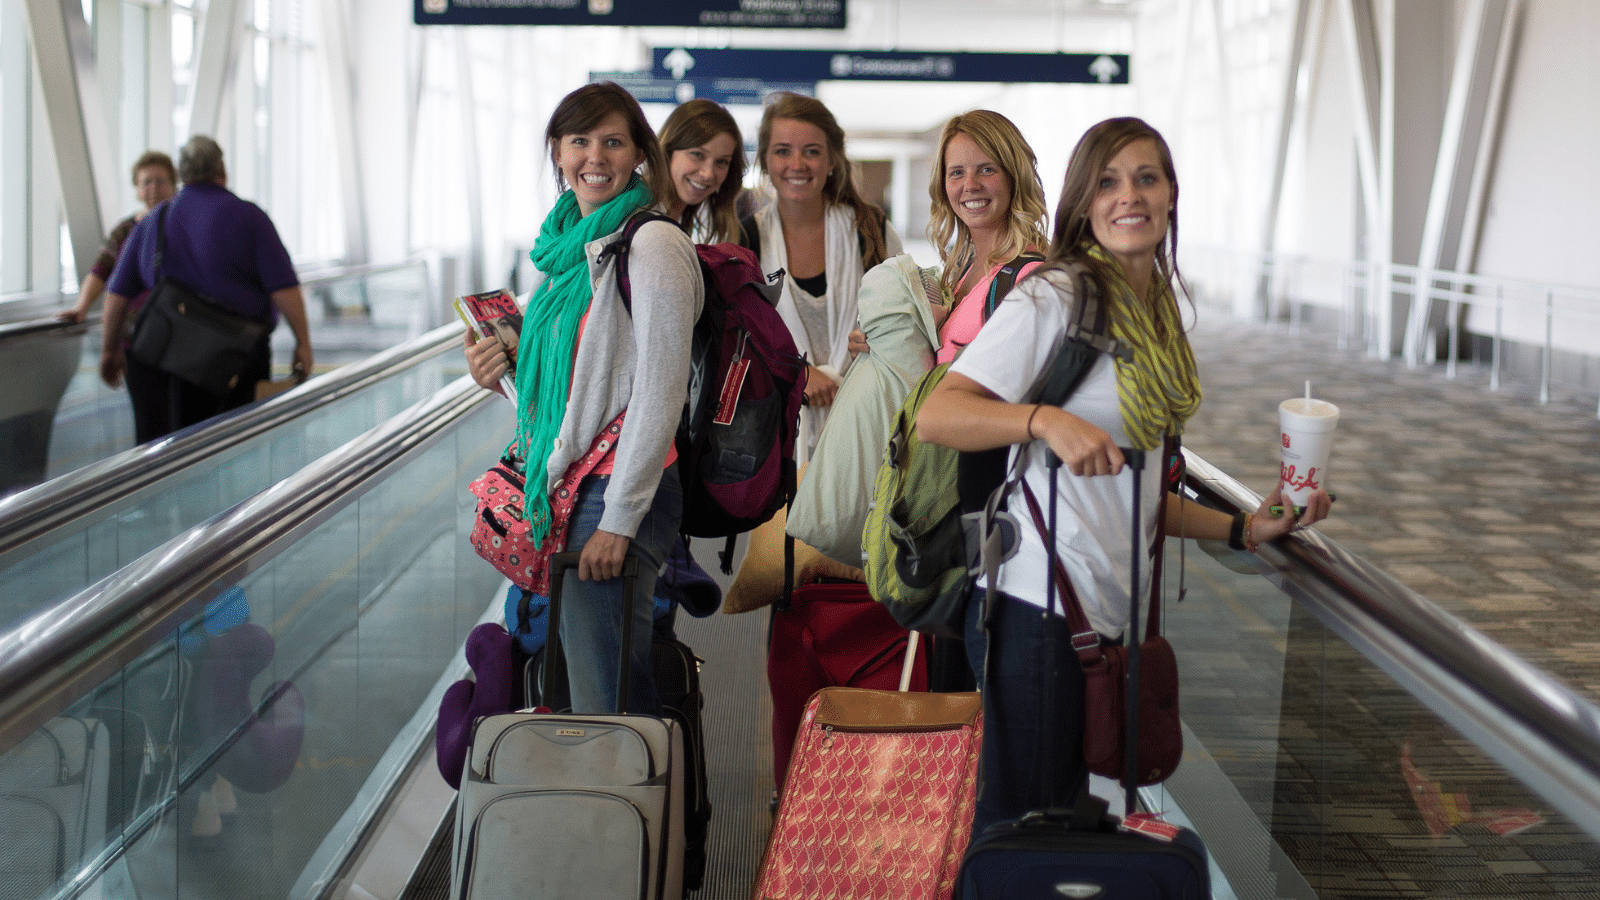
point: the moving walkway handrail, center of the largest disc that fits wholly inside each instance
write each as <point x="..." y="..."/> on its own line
<point x="1539" y="729"/>
<point x="29" y="514"/>
<point x="310" y="280"/>
<point x="49" y="659"/>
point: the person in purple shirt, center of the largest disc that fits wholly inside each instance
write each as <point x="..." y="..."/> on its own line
<point x="225" y="248"/>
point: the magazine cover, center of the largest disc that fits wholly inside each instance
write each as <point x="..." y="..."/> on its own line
<point x="495" y="314"/>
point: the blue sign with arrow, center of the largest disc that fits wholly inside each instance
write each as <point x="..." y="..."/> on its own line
<point x="635" y="13"/>
<point x="646" y="88"/>
<point x="858" y="65"/>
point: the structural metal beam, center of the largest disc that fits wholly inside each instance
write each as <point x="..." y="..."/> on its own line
<point x="64" y="56"/>
<point x="216" y="61"/>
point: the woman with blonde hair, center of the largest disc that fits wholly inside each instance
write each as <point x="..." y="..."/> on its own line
<point x="705" y="157"/>
<point x="988" y="209"/>
<point x="1117" y="220"/>
<point x="823" y="234"/>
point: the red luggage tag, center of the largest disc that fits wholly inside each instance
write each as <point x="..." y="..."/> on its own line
<point x="1150" y="825"/>
<point x="729" y="400"/>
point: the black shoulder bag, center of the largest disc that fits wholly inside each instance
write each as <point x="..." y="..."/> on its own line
<point x="189" y="335"/>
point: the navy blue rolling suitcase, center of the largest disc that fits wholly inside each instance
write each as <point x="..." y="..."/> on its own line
<point x="1084" y="852"/>
<point x="1056" y="854"/>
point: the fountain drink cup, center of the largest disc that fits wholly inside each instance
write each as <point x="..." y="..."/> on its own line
<point x="1305" y="433"/>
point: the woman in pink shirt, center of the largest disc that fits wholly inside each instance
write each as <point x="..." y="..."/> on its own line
<point x="988" y="209"/>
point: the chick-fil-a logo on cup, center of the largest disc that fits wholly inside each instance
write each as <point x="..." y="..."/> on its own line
<point x="1295" y="482"/>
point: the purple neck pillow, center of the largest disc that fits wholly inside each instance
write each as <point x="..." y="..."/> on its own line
<point x="491" y="690"/>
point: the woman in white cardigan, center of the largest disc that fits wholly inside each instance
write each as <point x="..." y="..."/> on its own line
<point x="823" y="234"/>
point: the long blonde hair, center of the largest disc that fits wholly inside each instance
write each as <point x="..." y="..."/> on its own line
<point x="840" y="186"/>
<point x="999" y="138"/>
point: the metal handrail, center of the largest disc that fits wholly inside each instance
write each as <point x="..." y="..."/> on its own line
<point x="324" y="276"/>
<point x="49" y="658"/>
<point x="1539" y="729"/>
<point x="1542" y="302"/>
<point x="313" y="279"/>
<point x="30" y="514"/>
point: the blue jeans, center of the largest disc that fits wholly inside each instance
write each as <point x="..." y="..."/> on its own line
<point x="591" y="611"/>
<point x="1028" y="761"/>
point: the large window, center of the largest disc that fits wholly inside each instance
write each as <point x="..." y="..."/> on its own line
<point x="150" y="60"/>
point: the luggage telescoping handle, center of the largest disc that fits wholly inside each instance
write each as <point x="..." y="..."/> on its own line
<point x="1130" y="764"/>
<point x="553" y="657"/>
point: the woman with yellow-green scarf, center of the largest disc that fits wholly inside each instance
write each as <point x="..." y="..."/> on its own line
<point x="600" y="388"/>
<point x="1117" y="218"/>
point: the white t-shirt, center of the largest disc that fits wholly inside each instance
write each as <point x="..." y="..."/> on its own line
<point x="1008" y="357"/>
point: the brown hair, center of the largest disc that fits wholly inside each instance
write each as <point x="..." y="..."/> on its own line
<point x="840" y="186"/>
<point x="588" y="106"/>
<point x="694" y="124"/>
<point x="1074" y="233"/>
<point x="999" y="139"/>
<point x="153" y="159"/>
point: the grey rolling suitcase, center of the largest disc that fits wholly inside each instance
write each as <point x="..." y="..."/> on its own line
<point x="562" y="806"/>
<point x="52" y="805"/>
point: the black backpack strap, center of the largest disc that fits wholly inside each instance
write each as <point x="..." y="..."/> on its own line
<point x="620" y="248"/>
<point x="750" y="235"/>
<point x="161" y="238"/>
<point x="1091" y="327"/>
<point x="1005" y="280"/>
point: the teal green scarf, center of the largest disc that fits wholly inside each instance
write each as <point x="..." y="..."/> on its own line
<point x="550" y="332"/>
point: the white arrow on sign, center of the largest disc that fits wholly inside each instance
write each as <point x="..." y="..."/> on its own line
<point x="679" y="61"/>
<point x="1104" y="69"/>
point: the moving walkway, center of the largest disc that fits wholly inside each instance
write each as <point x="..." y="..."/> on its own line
<point x="1345" y="738"/>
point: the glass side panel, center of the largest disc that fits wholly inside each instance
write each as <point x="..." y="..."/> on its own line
<point x="1310" y="772"/>
<point x="229" y="755"/>
<point x="71" y="557"/>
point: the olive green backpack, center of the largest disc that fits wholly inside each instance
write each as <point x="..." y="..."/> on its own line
<point x="922" y="553"/>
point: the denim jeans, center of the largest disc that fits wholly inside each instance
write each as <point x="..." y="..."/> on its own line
<point x="591" y="611"/>
<point x="1023" y="767"/>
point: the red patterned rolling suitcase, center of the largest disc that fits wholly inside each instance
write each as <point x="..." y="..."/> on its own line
<point x="878" y="800"/>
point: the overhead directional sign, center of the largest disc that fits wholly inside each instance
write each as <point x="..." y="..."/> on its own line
<point x="860" y="65"/>
<point x="646" y="88"/>
<point x="636" y="13"/>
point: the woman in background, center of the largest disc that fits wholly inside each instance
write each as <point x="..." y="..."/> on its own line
<point x="154" y="179"/>
<point x="705" y="157"/>
<point x="823" y="234"/>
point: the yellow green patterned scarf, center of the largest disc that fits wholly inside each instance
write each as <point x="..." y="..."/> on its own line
<point x="1159" y="389"/>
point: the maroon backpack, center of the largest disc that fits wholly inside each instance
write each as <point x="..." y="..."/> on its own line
<point x="746" y="383"/>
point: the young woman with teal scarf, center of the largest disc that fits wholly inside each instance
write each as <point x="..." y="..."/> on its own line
<point x="1118" y="217"/>
<point x="600" y="389"/>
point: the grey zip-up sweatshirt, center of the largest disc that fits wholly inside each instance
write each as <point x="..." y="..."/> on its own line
<point x="639" y="363"/>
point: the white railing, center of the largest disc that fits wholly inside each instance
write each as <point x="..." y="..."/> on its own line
<point x="1378" y="308"/>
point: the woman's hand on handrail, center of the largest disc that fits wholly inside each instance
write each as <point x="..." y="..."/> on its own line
<point x="1266" y="525"/>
